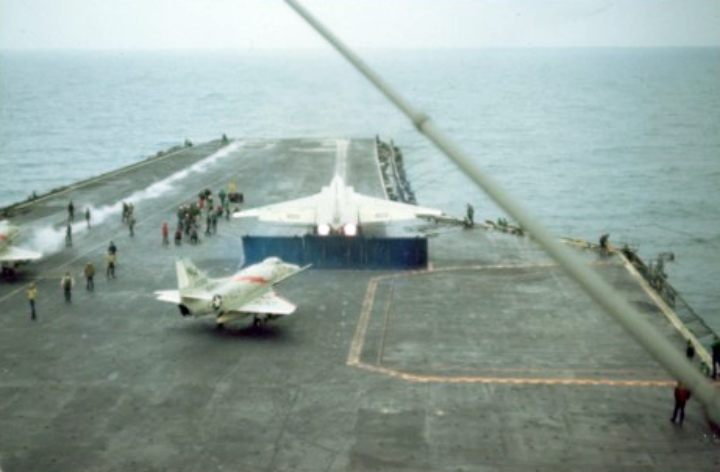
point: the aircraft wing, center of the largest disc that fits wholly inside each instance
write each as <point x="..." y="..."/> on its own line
<point x="299" y="211"/>
<point x="292" y="274"/>
<point x="174" y="296"/>
<point x="15" y="254"/>
<point x="377" y="210"/>
<point x="269" y="303"/>
<point x="171" y="296"/>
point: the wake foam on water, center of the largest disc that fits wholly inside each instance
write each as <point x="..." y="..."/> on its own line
<point x="49" y="240"/>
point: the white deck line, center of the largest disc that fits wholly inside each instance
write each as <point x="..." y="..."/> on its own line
<point x="341" y="146"/>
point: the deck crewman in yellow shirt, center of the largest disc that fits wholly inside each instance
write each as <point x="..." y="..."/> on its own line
<point x="31" y="296"/>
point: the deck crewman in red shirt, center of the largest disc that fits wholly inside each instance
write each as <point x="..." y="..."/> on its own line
<point x="682" y="395"/>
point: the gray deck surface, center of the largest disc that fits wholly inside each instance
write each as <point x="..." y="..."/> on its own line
<point x="492" y="361"/>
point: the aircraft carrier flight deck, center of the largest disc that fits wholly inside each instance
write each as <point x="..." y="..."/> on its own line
<point x="488" y="359"/>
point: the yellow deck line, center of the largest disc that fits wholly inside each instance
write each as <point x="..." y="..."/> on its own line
<point x="358" y="342"/>
<point x="359" y="337"/>
<point x="472" y="379"/>
<point x="388" y="305"/>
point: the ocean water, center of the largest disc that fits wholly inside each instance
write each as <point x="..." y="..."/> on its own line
<point x="623" y="141"/>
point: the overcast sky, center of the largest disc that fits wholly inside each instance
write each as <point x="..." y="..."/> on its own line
<point x="270" y="24"/>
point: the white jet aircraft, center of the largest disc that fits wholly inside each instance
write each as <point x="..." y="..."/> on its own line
<point x="337" y="209"/>
<point x="12" y="256"/>
<point x="247" y="293"/>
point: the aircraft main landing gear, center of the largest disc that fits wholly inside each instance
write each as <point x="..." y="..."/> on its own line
<point x="259" y="320"/>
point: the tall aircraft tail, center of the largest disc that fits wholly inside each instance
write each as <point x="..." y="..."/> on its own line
<point x="188" y="275"/>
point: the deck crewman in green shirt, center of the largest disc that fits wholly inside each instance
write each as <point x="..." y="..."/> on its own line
<point x="715" y="356"/>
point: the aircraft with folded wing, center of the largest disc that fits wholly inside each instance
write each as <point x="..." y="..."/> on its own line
<point x="247" y="293"/>
<point x="337" y="209"/>
<point x="12" y="256"/>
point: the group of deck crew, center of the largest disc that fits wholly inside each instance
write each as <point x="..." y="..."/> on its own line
<point x="67" y="282"/>
<point x="188" y="218"/>
<point x="71" y="219"/>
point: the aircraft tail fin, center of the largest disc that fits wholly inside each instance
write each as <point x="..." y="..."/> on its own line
<point x="188" y="275"/>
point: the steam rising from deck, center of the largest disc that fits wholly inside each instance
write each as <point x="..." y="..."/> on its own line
<point x="49" y="240"/>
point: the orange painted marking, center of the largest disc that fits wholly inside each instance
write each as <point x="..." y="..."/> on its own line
<point x="253" y="279"/>
<point x="358" y="341"/>
<point x="476" y="379"/>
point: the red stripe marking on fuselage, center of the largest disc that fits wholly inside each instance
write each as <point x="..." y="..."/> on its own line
<point x="253" y="279"/>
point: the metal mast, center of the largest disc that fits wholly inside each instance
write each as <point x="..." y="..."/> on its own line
<point x="600" y="291"/>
